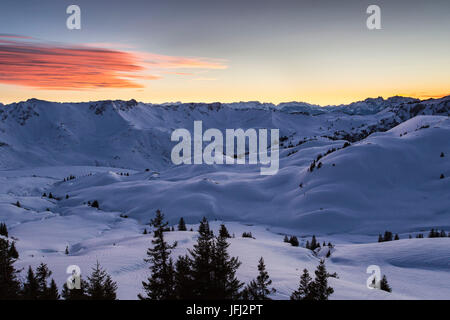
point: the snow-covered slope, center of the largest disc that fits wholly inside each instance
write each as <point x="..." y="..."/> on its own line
<point x="390" y="177"/>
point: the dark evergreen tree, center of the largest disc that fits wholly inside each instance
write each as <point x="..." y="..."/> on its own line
<point x="396" y="237"/>
<point x="18" y="204"/>
<point x="223" y="232"/>
<point x="52" y="291"/>
<point x="294" y="241"/>
<point x="387" y="236"/>
<point x="225" y="284"/>
<point x="259" y="289"/>
<point x="319" y="288"/>
<point x="100" y="286"/>
<point x="184" y="285"/>
<point x="9" y="284"/>
<point x="380" y="238"/>
<point x="304" y="289"/>
<point x="161" y="284"/>
<point x="95" y="204"/>
<point x="30" y="289"/>
<point x="313" y="244"/>
<point x="13" y="251"/>
<point x="384" y="285"/>
<point x="145" y="231"/>
<point x="67" y="250"/>
<point x="202" y="256"/>
<point x="286" y="239"/>
<point x="182" y="225"/>
<point x="3" y="230"/>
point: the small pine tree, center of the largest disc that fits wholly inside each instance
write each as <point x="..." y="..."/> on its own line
<point x="30" y="289"/>
<point x="13" y="251"/>
<point x="223" y="232"/>
<point x="3" y="230"/>
<point x="384" y="285"/>
<point x="50" y="195"/>
<point x="225" y="284"/>
<point x="18" y="204"/>
<point x="387" y="236"/>
<point x="9" y="284"/>
<point x="160" y="285"/>
<point x="286" y="239"/>
<point x="319" y="288"/>
<point x="304" y="289"/>
<point x="95" y="204"/>
<point x="294" y="241"/>
<point x="183" y="278"/>
<point x="396" y="237"/>
<point x="52" y="292"/>
<point x="145" y="231"/>
<point x="100" y="286"/>
<point x="182" y="225"/>
<point x="67" y="250"/>
<point x="46" y="292"/>
<point x="313" y="244"/>
<point x="259" y="289"/>
<point x="201" y="265"/>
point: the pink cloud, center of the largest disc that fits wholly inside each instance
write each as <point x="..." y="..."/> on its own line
<point x="71" y="67"/>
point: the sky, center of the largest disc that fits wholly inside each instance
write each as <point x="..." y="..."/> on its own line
<point x="314" y="51"/>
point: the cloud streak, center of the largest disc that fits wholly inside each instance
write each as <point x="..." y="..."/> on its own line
<point x="69" y="67"/>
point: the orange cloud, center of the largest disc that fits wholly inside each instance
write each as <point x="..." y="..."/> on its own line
<point x="69" y="67"/>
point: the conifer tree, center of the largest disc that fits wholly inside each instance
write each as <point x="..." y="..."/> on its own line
<point x="304" y="289"/>
<point x="294" y="241"/>
<point x="202" y="257"/>
<point x="313" y="244"/>
<point x="30" y="289"/>
<point x="3" y="230"/>
<point x="396" y="237"/>
<point x="384" y="285"/>
<point x="9" y="284"/>
<point x="161" y="283"/>
<point x="319" y="288"/>
<point x="223" y="232"/>
<point x="43" y="273"/>
<point x="225" y="284"/>
<point x="52" y="292"/>
<point x="259" y="289"/>
<point x="182" y="225"/>
<point x="183" y="278"/>
<point x="100" y="286"/>
<point x="13" y="251"/>
<point x="286" y="239"/>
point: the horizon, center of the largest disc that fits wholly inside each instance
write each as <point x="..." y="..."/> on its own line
<point x="231" y="102"/>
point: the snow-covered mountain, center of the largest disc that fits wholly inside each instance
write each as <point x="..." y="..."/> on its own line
<point x="384" y="165"/>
